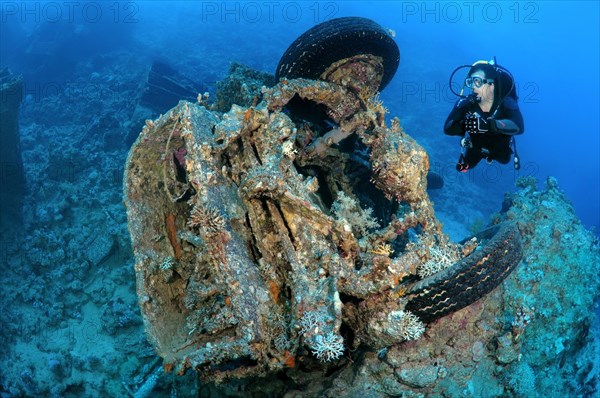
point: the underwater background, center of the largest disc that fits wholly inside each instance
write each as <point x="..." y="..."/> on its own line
<point x="70" y="319"/>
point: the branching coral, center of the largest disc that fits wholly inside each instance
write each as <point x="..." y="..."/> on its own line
<point x="328" y="347"/>
<point x="206" y="217"/>
<point x="348" y="210"/>
<point x="383" y="249"/>
<point x="411" y="328"/>
<point x="442" y="257"/>
<point x="310" y="321"/>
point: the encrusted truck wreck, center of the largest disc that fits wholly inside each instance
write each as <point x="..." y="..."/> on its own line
<point x="264" y="241"/>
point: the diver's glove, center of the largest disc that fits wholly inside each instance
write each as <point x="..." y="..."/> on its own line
<point x="473" y="99"/>
<point x="475" y="124"/>
<point x="466" y="102"/>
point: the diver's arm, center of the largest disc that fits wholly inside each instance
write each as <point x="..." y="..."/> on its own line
<point x="453" y="122"/>
<point x="511" y="122"/>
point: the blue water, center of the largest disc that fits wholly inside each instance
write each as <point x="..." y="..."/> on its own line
<point x="550" y="47"/>
<point x="82" y="63"/>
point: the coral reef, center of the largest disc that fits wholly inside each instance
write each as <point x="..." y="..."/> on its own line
<point x="12" y="178"/>
<point x="70" y="322"/>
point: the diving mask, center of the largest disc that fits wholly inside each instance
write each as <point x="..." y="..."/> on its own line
<point x="477" y="81"/>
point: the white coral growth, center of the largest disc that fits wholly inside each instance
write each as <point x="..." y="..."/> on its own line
<point x="308" y="322"/>
<point x="407" y="325"/>
<point x="208" y="218"/>
<point x="328" y="347"/>
<point x="288" y="149"/>
<point x="346" y="208"/>
<point x="441" y="258"/>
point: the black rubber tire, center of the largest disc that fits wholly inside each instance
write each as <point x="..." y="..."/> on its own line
<point x="322" y="45"/>
<point x="469" y="279"/>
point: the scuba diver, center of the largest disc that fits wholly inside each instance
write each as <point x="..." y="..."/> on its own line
<point x="488" y="118"/>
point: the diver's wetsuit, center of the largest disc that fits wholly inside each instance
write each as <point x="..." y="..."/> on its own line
<point x="508" y="122"/>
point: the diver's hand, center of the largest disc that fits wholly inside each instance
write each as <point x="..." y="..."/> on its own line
<point x="475" y="124"/>
<point x="473" y="99"/>
<point x="471" y="123"/>
<point x="465" y="102"/>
